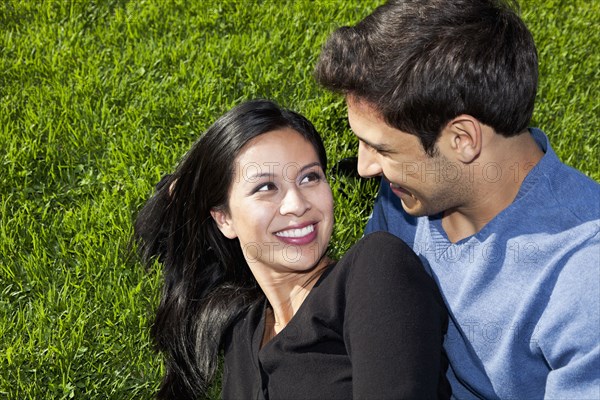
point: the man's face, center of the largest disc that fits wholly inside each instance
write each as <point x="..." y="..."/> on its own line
<point x="426" y="185"/>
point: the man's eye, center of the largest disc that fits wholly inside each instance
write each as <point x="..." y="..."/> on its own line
<point x="365" y="144"/>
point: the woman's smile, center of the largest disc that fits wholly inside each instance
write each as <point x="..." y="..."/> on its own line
<point x="298" y="236"/>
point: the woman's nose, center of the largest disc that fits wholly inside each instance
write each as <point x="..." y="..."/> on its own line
<point x="294" y="203"/>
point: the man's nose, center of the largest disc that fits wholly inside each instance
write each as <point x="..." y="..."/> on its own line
<point x="368" y="163"/>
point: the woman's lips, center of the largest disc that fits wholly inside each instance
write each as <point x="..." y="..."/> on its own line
<point x="298" y="236"/>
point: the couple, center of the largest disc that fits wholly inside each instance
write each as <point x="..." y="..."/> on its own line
<point x="439" y="93"/>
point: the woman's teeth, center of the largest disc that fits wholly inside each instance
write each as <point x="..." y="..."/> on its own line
<point x="295" y="233"/>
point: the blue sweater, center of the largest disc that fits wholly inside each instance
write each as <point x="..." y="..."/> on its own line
<point x="524" y="292"/>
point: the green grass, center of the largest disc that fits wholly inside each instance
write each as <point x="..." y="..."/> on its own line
<point x="99" y="99"/>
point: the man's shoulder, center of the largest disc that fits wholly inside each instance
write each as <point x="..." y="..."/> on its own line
<point x="559" y="185"/>
<point x="568" y="195"/>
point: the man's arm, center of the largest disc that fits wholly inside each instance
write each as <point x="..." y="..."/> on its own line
<point x="570" y="327"/>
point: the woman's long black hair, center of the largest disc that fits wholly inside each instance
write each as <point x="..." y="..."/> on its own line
<point x="207" y="283"/>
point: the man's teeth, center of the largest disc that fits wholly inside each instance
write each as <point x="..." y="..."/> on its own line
<point x="295" y="233"/>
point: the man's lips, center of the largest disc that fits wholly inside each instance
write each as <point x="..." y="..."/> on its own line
<point x="399" y="190"/>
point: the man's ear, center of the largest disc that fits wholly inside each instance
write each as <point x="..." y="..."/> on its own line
<point x="465" y="137"/>
<point x="224" y="222"/>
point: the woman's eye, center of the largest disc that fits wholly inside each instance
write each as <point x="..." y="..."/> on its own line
<point x="311" y="177"/>
<point x="265" y="187"/>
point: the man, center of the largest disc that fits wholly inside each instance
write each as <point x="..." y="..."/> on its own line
<point x="440" y="94"/>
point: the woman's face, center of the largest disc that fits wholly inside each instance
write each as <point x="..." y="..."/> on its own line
<point x="280" y="204"/>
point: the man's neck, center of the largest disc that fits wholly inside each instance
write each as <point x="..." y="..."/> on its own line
<point x="502" y="168"/>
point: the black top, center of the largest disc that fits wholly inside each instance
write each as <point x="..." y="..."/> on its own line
<point x="371" y="327"/>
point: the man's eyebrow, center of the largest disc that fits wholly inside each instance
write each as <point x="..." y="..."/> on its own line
<point x="381" y="148"/>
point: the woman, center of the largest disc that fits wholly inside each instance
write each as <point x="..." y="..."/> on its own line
<point x="241" y="228"/>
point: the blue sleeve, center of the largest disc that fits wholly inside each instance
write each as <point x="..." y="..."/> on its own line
<point x="570" y="327"/>
<point x="377" y="221"/>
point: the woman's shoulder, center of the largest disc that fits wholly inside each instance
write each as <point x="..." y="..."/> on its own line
<point x="382" y="249"/>
<point x="382" y="240"/>
<point x="381" y="259"/>
<point x="240" y="372"/>
<point x="244" y="326"/>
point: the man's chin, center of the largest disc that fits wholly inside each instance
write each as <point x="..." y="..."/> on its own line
<point x="414" y="210"/>
<point x="411" y="205"/>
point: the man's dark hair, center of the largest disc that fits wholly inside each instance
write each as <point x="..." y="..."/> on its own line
<point x="422" y="63"/>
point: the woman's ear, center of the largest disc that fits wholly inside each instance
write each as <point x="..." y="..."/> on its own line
<point x="224" y="222"/>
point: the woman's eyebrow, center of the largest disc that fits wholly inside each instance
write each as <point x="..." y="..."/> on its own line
<point x="257" y="177"/>
<point x="269" y="173"/>
<point x="308" y="166"/>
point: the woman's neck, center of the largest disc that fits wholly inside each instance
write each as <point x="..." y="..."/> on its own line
<point x="285" y="294"/>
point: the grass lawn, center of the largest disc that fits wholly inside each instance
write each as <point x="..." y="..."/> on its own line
<point x="99" y="99"/>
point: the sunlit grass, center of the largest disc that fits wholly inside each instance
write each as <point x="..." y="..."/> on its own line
<point x="98" y="100"/>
